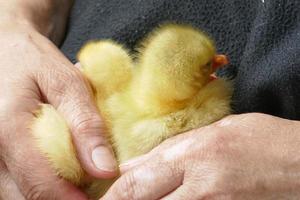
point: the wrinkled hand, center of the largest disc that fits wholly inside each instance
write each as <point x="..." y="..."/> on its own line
<point x="32" y="70"/>
<point x="249" y="156"/>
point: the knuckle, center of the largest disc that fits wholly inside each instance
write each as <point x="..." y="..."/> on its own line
<point x="87" y="123"/>
<point x="49" y="82"/>
<point x="247" y="117"/>
<point x="225" y="122"/>
<point x="219" y="142"/>
<point x="241" y="119"/>
<point x="34" y="194"/>
<point x="39" y="192"/>
<point x="210" y="177"/>
<point x="59" y="82"/>
<point x="3" y="172"/>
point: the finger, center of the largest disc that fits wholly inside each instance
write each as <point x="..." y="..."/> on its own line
<point x="172" y="148"/>
<point x="145" y="182"/>
<point x="8" y="188"/>
<point x="183" y="192"/>
<point x="134" y="162"/>
<point x="30" y="171"/>
<point x="68" y="91"/>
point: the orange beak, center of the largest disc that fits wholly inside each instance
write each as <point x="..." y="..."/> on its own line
<point x="219" y="61"/>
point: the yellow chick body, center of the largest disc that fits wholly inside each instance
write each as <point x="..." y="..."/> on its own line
<point x="165" y="92"/>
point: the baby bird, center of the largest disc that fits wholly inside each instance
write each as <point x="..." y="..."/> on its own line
<point x="166" y="90"/>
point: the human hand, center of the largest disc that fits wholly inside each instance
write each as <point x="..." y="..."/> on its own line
<point x="248" y="156"/>
<point x="33" y="70"/>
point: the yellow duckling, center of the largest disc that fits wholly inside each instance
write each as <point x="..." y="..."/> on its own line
<point x="166" y="91"/>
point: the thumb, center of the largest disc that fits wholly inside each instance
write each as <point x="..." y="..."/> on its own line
<point x="67" y="90"/>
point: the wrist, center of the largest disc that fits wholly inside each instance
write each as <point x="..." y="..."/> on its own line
<point x="16" y="22"/>
<point x="16" y="29"/>
<point x="48" y="18"/>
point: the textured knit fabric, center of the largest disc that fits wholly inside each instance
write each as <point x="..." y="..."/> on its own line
<point x="261" y="37"/>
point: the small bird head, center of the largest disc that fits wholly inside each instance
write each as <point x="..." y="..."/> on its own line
<point x="182" y="59"/>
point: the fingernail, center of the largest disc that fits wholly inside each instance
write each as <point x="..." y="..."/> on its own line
<point x="78" y="66"/>
<point x="103" y="159"/>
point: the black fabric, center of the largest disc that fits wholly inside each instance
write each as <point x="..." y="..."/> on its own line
<point x="262" y="39"/>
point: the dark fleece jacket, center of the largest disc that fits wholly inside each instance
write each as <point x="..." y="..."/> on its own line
<point x="261" y="37"/>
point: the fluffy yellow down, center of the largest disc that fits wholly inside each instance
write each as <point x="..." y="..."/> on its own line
<point x="164" y="92"/>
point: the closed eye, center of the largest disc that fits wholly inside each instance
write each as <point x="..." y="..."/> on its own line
<point x="209" y="64"/>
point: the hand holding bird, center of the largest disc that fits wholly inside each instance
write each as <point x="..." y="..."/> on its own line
<point x="167" y="90"/>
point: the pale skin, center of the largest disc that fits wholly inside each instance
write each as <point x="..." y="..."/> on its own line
<point x="249" y="156"/>
<point x="32" y="71"/>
